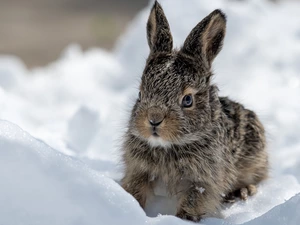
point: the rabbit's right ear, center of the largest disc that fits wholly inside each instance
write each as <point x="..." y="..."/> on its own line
<point x="158" y="31"/>
<point x="206" y="39"/>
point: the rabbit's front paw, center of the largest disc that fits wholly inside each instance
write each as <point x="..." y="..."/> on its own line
<point x="242" y="193"/>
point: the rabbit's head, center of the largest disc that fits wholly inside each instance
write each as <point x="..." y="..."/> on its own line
<point x="174" y="102"/>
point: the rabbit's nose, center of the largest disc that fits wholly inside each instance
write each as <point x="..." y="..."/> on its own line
<point x="155" y="123"/>
<point x="155" y="116"/>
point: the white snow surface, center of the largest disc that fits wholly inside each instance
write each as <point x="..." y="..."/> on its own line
<point x="64" y="168"/>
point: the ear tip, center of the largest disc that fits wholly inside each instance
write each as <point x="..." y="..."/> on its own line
<point x="220" y="13"/>
<point x="157" y="9"/>
<point x="156" y="4"/>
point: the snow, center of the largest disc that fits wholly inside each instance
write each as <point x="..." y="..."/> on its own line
<point x="82" y="128"/>
<point x="200" y="189"/>
<point x="42" y="186"/>
<point x="287" y="213"/>
<point x="64" y="168"/>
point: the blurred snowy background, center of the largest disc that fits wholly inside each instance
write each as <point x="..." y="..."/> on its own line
<point x="61" y="123"/>
<point x="38" y="30"/>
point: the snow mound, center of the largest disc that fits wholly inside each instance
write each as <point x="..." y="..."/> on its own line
<point x="42" y="186"/>
<point x="79" y="106"/>
<point x="287" y="213"/>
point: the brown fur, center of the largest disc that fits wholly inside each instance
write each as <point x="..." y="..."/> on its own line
<point x="216" y="145"/>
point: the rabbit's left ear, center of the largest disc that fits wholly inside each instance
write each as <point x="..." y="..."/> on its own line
<point x="158" y="31"/>
<point x="206" y="39"/>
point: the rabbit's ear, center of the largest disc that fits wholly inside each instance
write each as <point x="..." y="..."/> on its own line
<point x="158" y="31"/>
<point x="206" y="39"/>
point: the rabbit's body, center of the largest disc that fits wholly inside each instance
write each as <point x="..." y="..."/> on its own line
<point x="202" y="151"/>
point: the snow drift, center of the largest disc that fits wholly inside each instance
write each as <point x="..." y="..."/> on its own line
<point x="42" y="186"/>
<point x="79" y="105"/>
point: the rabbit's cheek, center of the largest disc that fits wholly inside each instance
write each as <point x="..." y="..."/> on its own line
<point x="169" y="130"/>
<point x="142" y="126"/>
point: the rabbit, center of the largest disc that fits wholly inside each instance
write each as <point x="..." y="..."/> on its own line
<point x="205" y="149"/>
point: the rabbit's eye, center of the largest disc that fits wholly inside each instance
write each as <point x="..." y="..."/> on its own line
<point x="140" y="96"/>
<point x="187" y="101"/>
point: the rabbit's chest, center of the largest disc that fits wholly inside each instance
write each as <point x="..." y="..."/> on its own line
<point x="159" y="200"/>
<point x="163" y="199"/>
<point x="160" y="188"/>
<point x="168" y="187"/>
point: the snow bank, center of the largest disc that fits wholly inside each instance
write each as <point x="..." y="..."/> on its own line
<point x="42" y="186"/>
<point x="80" y="103"/>
<point x="287" y="213"/>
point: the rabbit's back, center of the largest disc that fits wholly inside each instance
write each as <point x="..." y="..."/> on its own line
<point x="247" y="142"/>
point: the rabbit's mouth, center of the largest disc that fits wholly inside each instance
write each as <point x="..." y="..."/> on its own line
<point x="156" y="139"/>
<point x="155" y="132"/>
